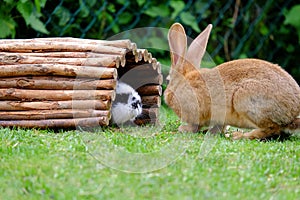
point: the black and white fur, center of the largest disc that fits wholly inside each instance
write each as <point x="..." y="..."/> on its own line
<point x="127" y="105"/>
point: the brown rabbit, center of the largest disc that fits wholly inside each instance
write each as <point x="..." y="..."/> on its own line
<point x="246" y="93"/>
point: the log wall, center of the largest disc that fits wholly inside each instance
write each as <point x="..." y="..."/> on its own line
<point x="66" y="82"/>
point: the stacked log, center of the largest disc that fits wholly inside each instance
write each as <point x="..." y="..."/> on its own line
<point x="69" y="82"/>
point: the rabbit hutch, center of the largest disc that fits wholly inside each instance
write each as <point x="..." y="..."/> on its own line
<point x="69" y="82"/>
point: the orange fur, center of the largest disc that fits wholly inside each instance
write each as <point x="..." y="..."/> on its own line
<point x="247" y="93"/>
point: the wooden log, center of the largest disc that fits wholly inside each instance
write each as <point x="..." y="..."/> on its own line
<point x="148" y="116"/>
<point x="57" y="69"/>
<point x="148" y="90"/>
<point x="52" y="114"/>
<point x="54" y="105"/>
<point x="55" y="95"/>
<point x="134" y="56"/>
<point x="67" y="54"/>
<point x="57" y="123"/>
<point x="153" y="63"/>
<point x="49" y="46"/>
<point x="18" y="59"/>
<point x="120" y="59"/>
<point x="133" y="52"/>
<point x="151" y="101"/>
<point x="132" y="63"/>
<point x="145" y="121"/>
<point x="56" y="83"/>
<point x="142" y="67"/>
<point x="158" y="67"/>
<point x="150" y="112"/>
<point x="114" y="43"/>
<point x="146" y="55"/>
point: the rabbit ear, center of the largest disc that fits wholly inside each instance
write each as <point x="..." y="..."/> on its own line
<point x="177" y="43"/>
<point x="197" y="48"/>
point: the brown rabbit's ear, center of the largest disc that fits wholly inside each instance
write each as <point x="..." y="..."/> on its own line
<point x="197" y="48"/>
<point x="177" y="43"/>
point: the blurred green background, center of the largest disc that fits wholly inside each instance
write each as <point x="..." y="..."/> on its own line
<point x="269" y="29"/>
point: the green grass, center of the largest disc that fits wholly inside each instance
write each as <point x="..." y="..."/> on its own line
<point x="40" y="164"/>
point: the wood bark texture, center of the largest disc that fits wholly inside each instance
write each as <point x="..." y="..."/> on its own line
<point x="69" y="82"/>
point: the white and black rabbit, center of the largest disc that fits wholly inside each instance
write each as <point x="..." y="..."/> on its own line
<point x="127" y="105"/>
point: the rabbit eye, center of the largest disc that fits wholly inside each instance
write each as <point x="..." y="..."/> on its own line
<point x="133" y="98"/>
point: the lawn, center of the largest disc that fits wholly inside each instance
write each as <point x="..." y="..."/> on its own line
<point x="145" y="163"/>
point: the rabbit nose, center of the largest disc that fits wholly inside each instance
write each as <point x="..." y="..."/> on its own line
<point x="168" y="79"/>
<point x="136" y="104"/>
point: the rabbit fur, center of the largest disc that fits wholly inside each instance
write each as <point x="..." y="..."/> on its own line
<point x="127" y="105"/>
<point x="245" y="93"/>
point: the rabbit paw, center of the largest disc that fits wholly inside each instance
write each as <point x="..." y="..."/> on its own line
<point x="188" y="128"/>
<point x="254" y="134"/>
<point x="237" y="135"/>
